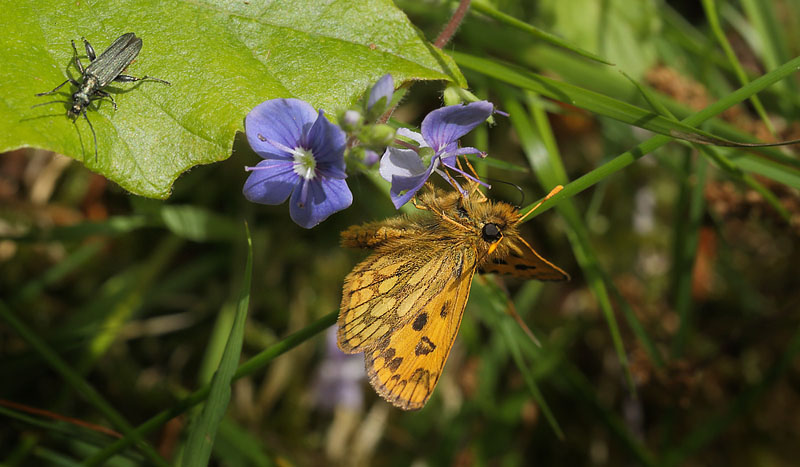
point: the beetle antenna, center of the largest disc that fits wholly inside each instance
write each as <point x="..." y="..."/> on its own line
<point x="94" y="135"/>
<point x="51" y="102"/>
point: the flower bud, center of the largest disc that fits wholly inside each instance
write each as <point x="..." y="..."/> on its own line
<point x="377" y="135"/>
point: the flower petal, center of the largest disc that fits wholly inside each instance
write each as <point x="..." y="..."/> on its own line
<point x="413" y="136"/>
<point x="271" y="182"/>
<point x="408" y="184"/>
<point x="447" y="124"/>
<point x="284" y="121"/>
<point x="400" y="162"/>
<point x="326" y="141"/>
<point x="383" y="88"/>
<point x="325" y="196"/>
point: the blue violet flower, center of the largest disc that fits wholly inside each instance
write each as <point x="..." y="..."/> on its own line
<point x="303" y="159"/>
<point x="441" y="130"/>
<point x="383" y="89"/>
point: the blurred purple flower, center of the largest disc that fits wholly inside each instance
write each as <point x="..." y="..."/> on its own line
<point x="339" y="376"/>
<point x="303" y="158"/>
<point x="370" y="157"/>
<point x="441" y="130"/>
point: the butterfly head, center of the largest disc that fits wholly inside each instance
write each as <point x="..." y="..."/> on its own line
<point x="491" y="233"/>
<point x="488" y="224"/>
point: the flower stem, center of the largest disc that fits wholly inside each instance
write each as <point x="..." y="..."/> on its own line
<point x="452" y="25"/>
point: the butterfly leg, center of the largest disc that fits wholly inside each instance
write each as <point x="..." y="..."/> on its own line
<point x="419" y="206"/>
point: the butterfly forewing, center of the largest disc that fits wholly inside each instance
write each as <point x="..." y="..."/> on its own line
<point x="386" y="291"/>
<point x="405" y="365"/>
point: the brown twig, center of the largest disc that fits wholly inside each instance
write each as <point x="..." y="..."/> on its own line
<point x="56" y="416"/>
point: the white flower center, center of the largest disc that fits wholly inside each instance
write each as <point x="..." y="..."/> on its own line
<point x="304" y="163"/>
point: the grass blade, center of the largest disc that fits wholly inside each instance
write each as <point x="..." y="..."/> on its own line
<point x="249" y="367"/>
<point x="543" y="155"/>
<point x="204" y="429"/>
<point x="713" y="21"/>
<point x="78" y="383"/>
<point x="488" y="10"/>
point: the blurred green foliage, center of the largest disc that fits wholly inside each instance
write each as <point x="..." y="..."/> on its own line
<point x="675" y="343"/>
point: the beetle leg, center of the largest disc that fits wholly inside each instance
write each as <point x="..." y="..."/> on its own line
<point x="104" y="95"/>
<point x="77" y="58"/>
<point x="59" y="87"/>
<point x="89" y="50"/>
<point x="131" y="79"/>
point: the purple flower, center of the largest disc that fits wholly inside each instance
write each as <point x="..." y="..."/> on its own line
<point x="370" y="157"/>
<point x="441" y="130"/>
<point x="303" y="158"/>
<point x="339" y="377"/>
<point x="382" y="89"/>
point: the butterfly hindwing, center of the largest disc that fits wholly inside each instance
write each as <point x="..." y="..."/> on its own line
<point x="405" y="365"/>
<point x="376" y="234"/>
<point x="525" y="263"/>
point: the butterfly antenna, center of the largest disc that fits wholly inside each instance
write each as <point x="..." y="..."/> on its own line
<point x="471" y="168"/>
<point x="552" y="193"/>
<point x="519" y="188"/>
<point x="441" y="213"/>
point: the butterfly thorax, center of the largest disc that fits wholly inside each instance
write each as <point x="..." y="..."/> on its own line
<point x="489" y="227"/>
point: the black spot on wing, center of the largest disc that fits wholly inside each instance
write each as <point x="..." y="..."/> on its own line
<point x="420" y="376"/>
<point x="499" y="261"/>
<point x="424" y="346"/>
<point x="443" y="311"/>
<point x="523" y="267"/>
<point x="420" y="322"/>
<point x="381" y="345"/>
<point x="394" y="364"/>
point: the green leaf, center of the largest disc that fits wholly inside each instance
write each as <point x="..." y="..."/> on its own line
<point x="621" y="34"/>
<point x="484" y="7"/>
<point x="222" y="61"/>
<point x="204" y="430"/>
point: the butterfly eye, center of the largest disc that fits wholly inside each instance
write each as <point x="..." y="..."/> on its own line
<point x="491" y="233"/>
